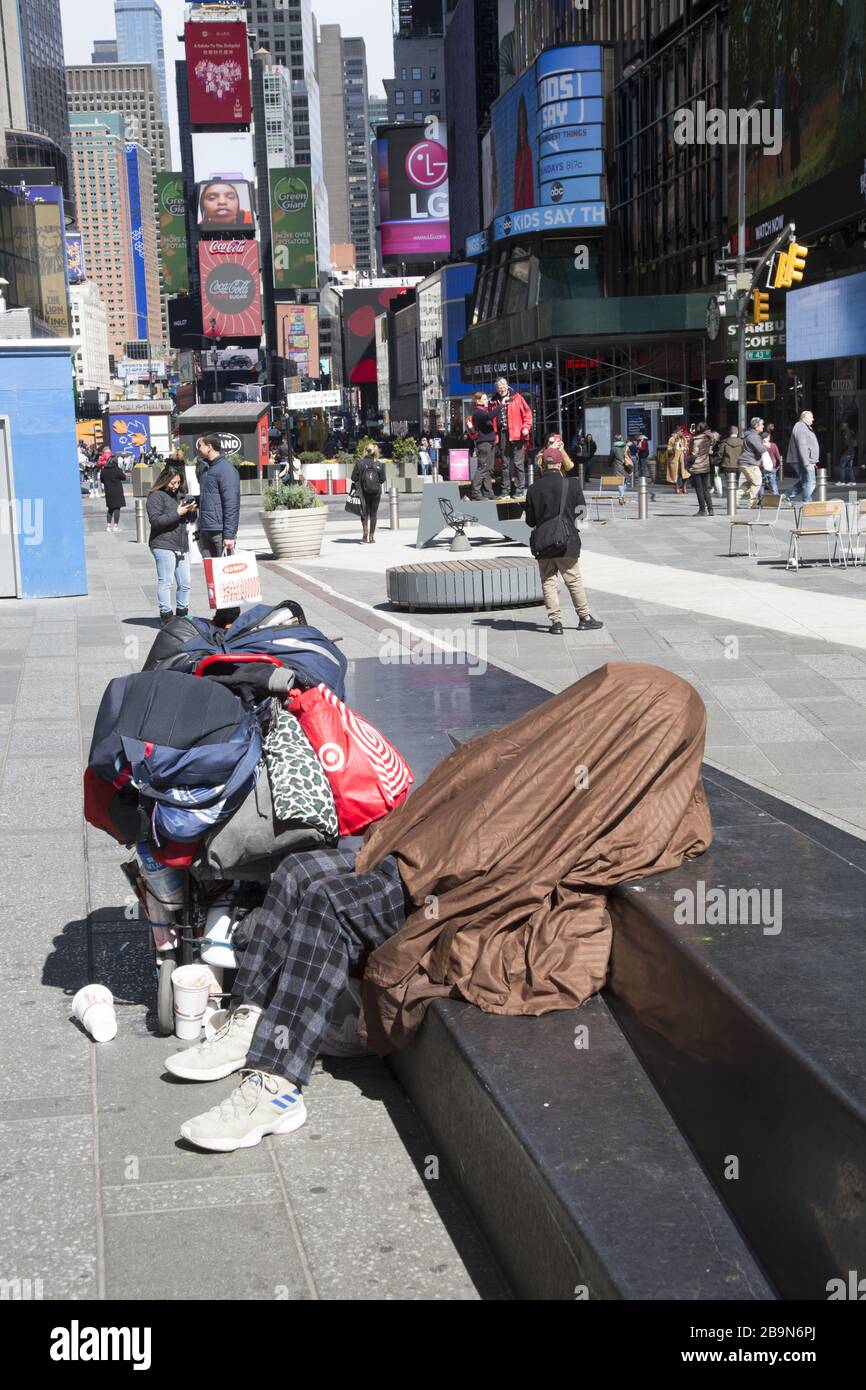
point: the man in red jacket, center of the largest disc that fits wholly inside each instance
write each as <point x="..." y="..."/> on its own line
<point x="515" y="429"/>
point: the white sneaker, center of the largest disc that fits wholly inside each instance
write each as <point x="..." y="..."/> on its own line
<point x="262" y="1104"/>
<point x="341" y="1035"/>
<point x="220" y="1055"/>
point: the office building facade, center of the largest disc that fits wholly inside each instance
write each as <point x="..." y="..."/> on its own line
<point x="104" y="51"/>
<point x="90" y="327"/>
<point x="417" y="88"/>
<point x="346" y="144"/>
<point x="33" y="81"/>
<point x="130" y="88"/>
<point x="140" y="40"/>
<point x="102" y="192"/>
<point x="335" y="133"/>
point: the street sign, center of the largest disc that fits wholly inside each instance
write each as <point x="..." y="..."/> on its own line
<point x="672" y="410"/>
<point x="759" y="355"/>
<point x="314" y="400"/>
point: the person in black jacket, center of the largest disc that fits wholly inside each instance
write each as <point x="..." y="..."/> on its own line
<point x="482" y="426"/>
<point x="113" y="478"/>
<point x="368" y="480"/>
<point x="168" y="514"/>
<point x="543" y="503"/>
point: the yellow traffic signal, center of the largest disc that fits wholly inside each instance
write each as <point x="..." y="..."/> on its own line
<point x="761" y="302"/>
<point x="790" y="266"/>
<point x="781" y="281"/>
<point x="796" y="261"/>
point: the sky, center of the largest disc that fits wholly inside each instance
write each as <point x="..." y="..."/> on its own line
<point x="86" y="20"/>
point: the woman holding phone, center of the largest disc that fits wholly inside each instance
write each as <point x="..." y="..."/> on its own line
<point x="168" y="511"/>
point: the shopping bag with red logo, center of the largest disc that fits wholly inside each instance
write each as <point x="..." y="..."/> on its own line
<point x="232" y="579"/>
<point x="368" y="776"/>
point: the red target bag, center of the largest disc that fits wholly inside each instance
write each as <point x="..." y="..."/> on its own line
<point x="367" y="775"/>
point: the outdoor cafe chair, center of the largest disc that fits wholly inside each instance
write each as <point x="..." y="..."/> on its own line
<point x="818" y="520"/>
<point x="606" y="494"/>
<point x="857" y="532"/>
<point x="769" y="510"/>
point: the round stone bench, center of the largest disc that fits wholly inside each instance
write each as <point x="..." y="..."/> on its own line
<point x="446" y="586"/>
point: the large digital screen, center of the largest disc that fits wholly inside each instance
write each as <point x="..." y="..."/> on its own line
<point x="413" y="191"/>
<point x="230" y="289"/>
<point x="805" y="60"/>
<point x="827" y="320"/>
<point x="136" y="219"/>
<point x="293" y="229"/>
<point x="218" y="74"/>
<point x="223" y="155"/>
<point x="75" y="272"/>
<point x="171" y="207"/>
<point x="360" y="311"/>
<point x="298" y="337"/>
<point x="225" y="205"/>
<point x="544" y="157"/>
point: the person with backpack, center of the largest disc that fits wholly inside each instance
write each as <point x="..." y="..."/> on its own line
<point x="621" y="463"/>
<point x="704" y="445"/>
<point x="168" y="512"/>
<point x="368" y="480"/>
<point x="551" y="506"/>
<point x="113" y="478"/>
<point x="482" y="426"/>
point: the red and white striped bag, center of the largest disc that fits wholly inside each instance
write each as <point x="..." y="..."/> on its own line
<point x="368" y="776"/>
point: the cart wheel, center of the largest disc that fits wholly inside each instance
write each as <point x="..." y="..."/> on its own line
<point x="166" y="967"/>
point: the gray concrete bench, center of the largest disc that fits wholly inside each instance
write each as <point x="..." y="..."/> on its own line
<point x="448" y="586"/>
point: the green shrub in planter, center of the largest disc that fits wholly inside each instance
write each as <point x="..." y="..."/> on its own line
<point x="289" y="496"/>
<point x="404" y="450"/>
<point x="312" y="458"/>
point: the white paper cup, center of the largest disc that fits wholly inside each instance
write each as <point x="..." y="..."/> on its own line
<point x="93" y="1006"/>
<point x="191" y="985"/>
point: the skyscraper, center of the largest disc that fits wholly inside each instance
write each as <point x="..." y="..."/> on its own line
<point x="114" y="185"/>
<point x="332" y="92"/>
<point x="130" y="88"/>
<point x="362" y="219"/>
<point x="417" y="88"/>
<point x="104" y="51"/>
<point x="140" y="40"/>
<point x="32" y="77"/>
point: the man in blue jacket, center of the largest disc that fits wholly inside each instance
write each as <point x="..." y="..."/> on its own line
<point x="219" y="507"/>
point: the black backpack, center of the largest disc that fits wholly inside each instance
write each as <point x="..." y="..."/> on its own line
<point x="550" y="540"/>
<point x="369" y="478"/>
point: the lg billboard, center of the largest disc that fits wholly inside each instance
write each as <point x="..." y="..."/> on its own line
<point x="413" y="191"/>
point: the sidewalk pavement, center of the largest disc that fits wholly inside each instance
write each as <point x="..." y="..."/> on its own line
<point x="778" y="656"/>
<point x="102" y="1199"/>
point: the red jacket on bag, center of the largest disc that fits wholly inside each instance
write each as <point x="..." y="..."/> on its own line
<point x="519" y="419"/>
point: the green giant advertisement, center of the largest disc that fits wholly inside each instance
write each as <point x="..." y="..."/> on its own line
<point x="172" y="232"/>
<point x="293" y="229"/>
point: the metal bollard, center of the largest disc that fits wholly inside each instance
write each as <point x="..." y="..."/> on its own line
<point x="821" y="485"/>
<point x="330" y="477"/>
<point x="141" y="521"/>
<point x="731" y="492"/>
<point x="394" y="507"/>
<point x="580" y="475"/>
<point x="530" y="474"/>
<point x="642" y="500"/>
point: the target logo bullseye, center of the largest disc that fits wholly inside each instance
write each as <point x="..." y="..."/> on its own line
<point x="332" y="757"/>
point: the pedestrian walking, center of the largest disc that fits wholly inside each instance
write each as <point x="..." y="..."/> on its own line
<point x="169" y="511"/>
<point x="220" y="498"/>
<point x="805" y="452"/>
<point x="368" y="478"/>
<point x="434" y="449"/>
<point x="482" y="427"/>
<point x="425" y="463"/>
<point x="113" y="478"/>
<point x="551" y="504"/>
<point x="591" y="451"/>
<point x="679" y="449"/>
<point x="751" y="463"/>
<point x="642" y="451"/>
<point x="730" y="452"/>
<point x="848" y="461"/>
<point x="704" y="445"/>
<point x="515" y="429"/>
<point x="620" y="463"/>
<point x="771" y="463"/>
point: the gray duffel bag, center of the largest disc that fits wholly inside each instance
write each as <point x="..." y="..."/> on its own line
<point x="253" y="844"/>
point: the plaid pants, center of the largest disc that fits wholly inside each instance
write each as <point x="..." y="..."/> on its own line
<point x="318" y="919"/>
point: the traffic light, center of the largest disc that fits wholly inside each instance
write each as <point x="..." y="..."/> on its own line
<point x="796" y="261"/>
<point x="760" y="392"/>
<point x="790" y="266"/>
<point x="761" y="302"/>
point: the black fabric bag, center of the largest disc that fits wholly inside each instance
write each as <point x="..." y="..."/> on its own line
<point x="353" y="503"/>
<point x="549" y="541"/>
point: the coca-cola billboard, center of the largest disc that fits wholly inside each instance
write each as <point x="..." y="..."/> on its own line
<point x="218" y="73"/>
<point x="230" y="289"/>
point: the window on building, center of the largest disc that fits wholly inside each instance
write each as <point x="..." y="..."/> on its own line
<point x="404" y="74"/>
<point x="416" y="74"/>
<point x="399" y="98"/>
<point x="400" y="118"/>
<point x="435" y="96"/>
<point x="417" y="97"/>
<point x="432" y="74"/>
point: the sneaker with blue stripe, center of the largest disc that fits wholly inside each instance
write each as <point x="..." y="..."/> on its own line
<point x="262" y="1104"/>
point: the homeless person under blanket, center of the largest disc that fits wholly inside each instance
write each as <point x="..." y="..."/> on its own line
<point x="598" y="786"/>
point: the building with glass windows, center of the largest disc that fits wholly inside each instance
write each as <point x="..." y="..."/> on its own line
<point x="33" y="85"/>
<point x="140" y="40"/>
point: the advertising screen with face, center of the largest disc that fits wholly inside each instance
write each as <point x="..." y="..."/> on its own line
<point x="225" y="205"/>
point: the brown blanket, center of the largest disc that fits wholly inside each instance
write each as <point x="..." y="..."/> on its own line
<point x="510" y="846"/>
